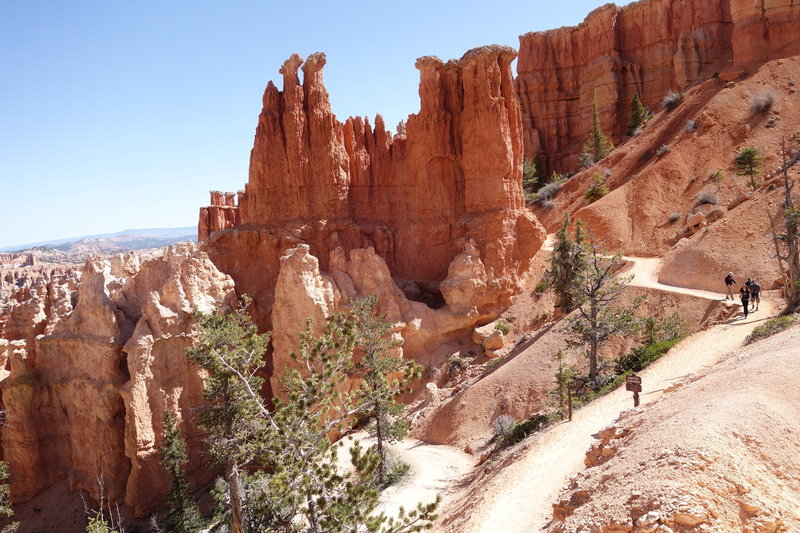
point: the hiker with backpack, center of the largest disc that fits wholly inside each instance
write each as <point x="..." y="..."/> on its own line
<point x="729" y="282"/>
<point x="755" y="294"/>
<point x="744" y="295"/>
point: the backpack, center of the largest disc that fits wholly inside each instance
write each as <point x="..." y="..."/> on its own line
<point x="755" y="289"/>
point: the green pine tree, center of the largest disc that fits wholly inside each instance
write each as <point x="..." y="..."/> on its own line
<point x="530" y="179"/>
<point x="564" y="376"/>
<point x="385" y="377"/>
<point x="295" y="483"/>
<point x="184" y="515"/>
<point x="567" y="263"/>
<point x="597" y="188"/>
<point x="231" y="351"/>
<point x="6" y="511"/>
<point x="598" y="145"/>
<point x="599" y="316"/>
<point x="638" y="114"/>
<point x="748" y="161"/>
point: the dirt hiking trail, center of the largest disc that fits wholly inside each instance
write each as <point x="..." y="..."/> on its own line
<point x="520" y="497"/>
<point x="433" y="470"/>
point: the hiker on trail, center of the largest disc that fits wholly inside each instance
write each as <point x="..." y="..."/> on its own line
<point x="729" y="282"/>
<point x="755" y="294"/>
<point x="744" y="294"/>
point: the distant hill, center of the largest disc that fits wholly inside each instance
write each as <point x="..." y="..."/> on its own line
<point x="129" y="239"/>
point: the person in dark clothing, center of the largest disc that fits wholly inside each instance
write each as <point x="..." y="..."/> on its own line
<point x="755" y="294"/>
<point x="744" y="294"/>
<point x="729" y="282"/>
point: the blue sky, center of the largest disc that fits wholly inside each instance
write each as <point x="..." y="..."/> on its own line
<point x="120" y="115"/>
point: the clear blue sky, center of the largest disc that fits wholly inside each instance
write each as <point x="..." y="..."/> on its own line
<point x="118" y="115"/>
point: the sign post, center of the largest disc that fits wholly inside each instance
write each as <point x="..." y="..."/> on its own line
<point x="634" y="383"/>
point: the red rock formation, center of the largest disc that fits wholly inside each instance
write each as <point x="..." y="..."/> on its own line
<point x="647" y="47"/>
<point x="767" y="29"/>
<point x="416" y="198"/>
<point x="85" y="388"/>
<point x="223" y="213"/>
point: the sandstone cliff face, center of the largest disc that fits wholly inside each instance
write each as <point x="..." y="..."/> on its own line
<point x="766" y="29"/>
<point x="409" y="204"/>
<point x="647" y="47"/>
<point x="85" y="388"/>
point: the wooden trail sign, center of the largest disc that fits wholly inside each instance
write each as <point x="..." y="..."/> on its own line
<point x="634" y="383"/>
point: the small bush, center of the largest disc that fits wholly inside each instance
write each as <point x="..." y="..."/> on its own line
<point x="457" y="364"/>
<point x="502" y="327"/>
<point x="643" y="356"/>
<point x="663" y="149"/>
<point x="396" y="474"/>
<point x="666" y="329"/>
<point x="520" y="430"/>
<point x="542" y="286"/>
<point x="494" y="363"/>
<point x="716" y="176"/>
<point x="707" y="198"/>
<point x="547" y="204"/>
<point x="585" y="394"/>
<point x="690" y="126"/>
<point x="671" y="100"/>
<point x="597" y="189"/>
<point x="762" y="102"/>
<point x="771" y="327"/>
<point x="673" y="217"/>
<point x="502" y="425"/>
<point x="546" y="192"/>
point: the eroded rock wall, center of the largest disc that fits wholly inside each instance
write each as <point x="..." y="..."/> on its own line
<point x="766" y="29"/>
<point x="85" y="386"/>
<point x="647" y="48"/>
<point x="413" y="203"/>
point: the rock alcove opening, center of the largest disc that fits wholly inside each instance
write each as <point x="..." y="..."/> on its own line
<point x="423" y="291"/>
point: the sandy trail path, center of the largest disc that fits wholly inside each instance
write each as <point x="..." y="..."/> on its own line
<point x="520" y="498"/>
<point x="435" y="470"/>
<point x="533" y="482"/>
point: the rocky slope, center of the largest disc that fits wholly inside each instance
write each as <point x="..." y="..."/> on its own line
<point x="647" y="48"/>
<point x="685" y="201"/>
<point x="431" y="219"/>
<point x="719" y="454"/>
